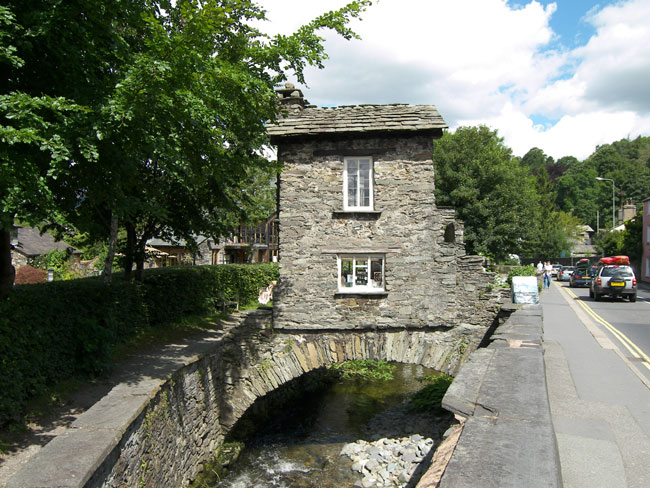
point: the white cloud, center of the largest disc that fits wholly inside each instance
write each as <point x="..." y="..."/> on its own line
<point x="560" y="140"/>
<point x="484" y="61"/>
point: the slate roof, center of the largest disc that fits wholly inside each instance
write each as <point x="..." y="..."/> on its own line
<point x="31" y="243"/>
<point x="314" y="121"/>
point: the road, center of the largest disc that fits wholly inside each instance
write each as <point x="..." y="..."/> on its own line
<point x="625" y="323"/>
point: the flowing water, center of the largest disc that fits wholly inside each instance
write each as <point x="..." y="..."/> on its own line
<point x="301" y="446"/>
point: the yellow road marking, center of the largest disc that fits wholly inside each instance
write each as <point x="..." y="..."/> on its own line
<point x="627" y="343"/>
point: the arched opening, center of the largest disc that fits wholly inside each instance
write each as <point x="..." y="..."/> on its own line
<point x="450" y="233"/>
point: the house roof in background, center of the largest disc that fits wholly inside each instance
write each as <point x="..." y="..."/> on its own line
<point x="158" y="242"/>
<point x="313" y="121"/>
<point x="31" y="243"/>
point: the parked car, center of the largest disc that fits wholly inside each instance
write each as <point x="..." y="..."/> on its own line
<point x="565" y="273"/>
<point x="580" y="277"/>
<point x="554" y="271"/>
<point x="614" y="280"/>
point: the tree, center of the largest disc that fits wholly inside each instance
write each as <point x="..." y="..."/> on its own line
<point x="553" y="228"/>
<point x="628" y="242"/>
<point x="34" y="148"/>
<point x="577" y="192"/>
<point x="158" y="110"/>
<point x="493" y="194"/>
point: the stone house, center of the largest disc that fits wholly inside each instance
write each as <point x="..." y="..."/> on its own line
<point x="362" y="243"/>
<point x="29" y="243"/>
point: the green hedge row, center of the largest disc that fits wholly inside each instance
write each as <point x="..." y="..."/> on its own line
<point x="51" y="331"/>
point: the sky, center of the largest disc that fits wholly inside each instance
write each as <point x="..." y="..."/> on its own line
<point x="563" y="76"/>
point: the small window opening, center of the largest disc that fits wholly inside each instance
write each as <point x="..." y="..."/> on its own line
<point x="450" y="233"/>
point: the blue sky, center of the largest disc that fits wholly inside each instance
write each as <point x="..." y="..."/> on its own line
<point x="564" y="76"/>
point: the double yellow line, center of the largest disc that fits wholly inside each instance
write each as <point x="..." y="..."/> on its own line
<point x="627" y="343"/>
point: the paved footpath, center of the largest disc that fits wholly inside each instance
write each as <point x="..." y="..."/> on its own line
<point x="600" y="408"/>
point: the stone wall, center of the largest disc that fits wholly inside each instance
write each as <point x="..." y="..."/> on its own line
<point x="426" y="285"/>
<point x="18" y="259"/>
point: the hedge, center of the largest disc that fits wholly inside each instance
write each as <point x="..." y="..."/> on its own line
<point x="52" y="331"/>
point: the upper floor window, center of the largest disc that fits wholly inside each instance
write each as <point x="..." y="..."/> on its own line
<point x="358" y="184"/>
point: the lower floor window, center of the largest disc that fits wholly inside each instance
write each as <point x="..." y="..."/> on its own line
<point x="361" y="273"/>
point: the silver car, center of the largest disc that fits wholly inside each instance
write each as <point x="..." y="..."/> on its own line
<point x="565" y="272"/>
<point x="615" y="281"/>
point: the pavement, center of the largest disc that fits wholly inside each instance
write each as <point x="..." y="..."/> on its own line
<point x="600" y="409"/>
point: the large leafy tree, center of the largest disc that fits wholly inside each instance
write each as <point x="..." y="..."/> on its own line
<point x="171" y="100"/>
<point x="553" y="227"/>
<point x="494" y="195"/>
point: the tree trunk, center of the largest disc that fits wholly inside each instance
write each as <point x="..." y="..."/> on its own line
<point x="139" y="259"/>
<point x="112" y="244"/>
<point x="7" y="271"/>
<point x="131" y="240"/>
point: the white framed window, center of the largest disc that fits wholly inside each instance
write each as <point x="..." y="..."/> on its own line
<point x="358" y="183"/>
<point x="361" y="273"/>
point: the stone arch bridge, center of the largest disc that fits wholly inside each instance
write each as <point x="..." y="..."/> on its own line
<point x="158" y="431"/>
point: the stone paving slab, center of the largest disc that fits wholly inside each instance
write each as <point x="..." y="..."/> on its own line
<point x="503" y="453"/>
<point x="69" y="460"/>
<point x="515" y="386"/>
<point x="114" y="412"/>
<point x="462" y="395"/>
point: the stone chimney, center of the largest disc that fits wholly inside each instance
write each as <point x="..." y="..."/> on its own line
<point x="628" y="211"/>
<point x="290" y="97"/>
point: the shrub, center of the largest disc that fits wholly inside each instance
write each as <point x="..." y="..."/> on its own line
<point x="367" y="369"/>
<point x="430" y="397"/>
<point x="521" y="271"/>
<point x="51" y="331"/>
<point x="28" y="275"/>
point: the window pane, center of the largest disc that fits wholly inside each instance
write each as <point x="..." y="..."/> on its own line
<point x="361" y="272"/>
<point x="364" y="182"/>
<point x="347" y="279"/>
<point x="353" y="181"/>
<point x="377" y="275"/>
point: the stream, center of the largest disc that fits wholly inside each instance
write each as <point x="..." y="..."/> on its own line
<point x="301" y="447"/>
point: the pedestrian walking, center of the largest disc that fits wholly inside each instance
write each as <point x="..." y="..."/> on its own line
<point x="547" y="274"/>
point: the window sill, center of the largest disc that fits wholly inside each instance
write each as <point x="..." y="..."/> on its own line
<point x="352" y="214"/>
<point x="361" y="294"/>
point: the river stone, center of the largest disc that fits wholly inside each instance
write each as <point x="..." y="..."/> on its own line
<point x="404" y="477"/>
<point x="410" y="456"/>
<point x="358" y="466"/>
<point x="372" y="465"/>
<point x="369" y="482"/>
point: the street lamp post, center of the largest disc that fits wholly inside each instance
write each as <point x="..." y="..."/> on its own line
<point x="613" y="201"/>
